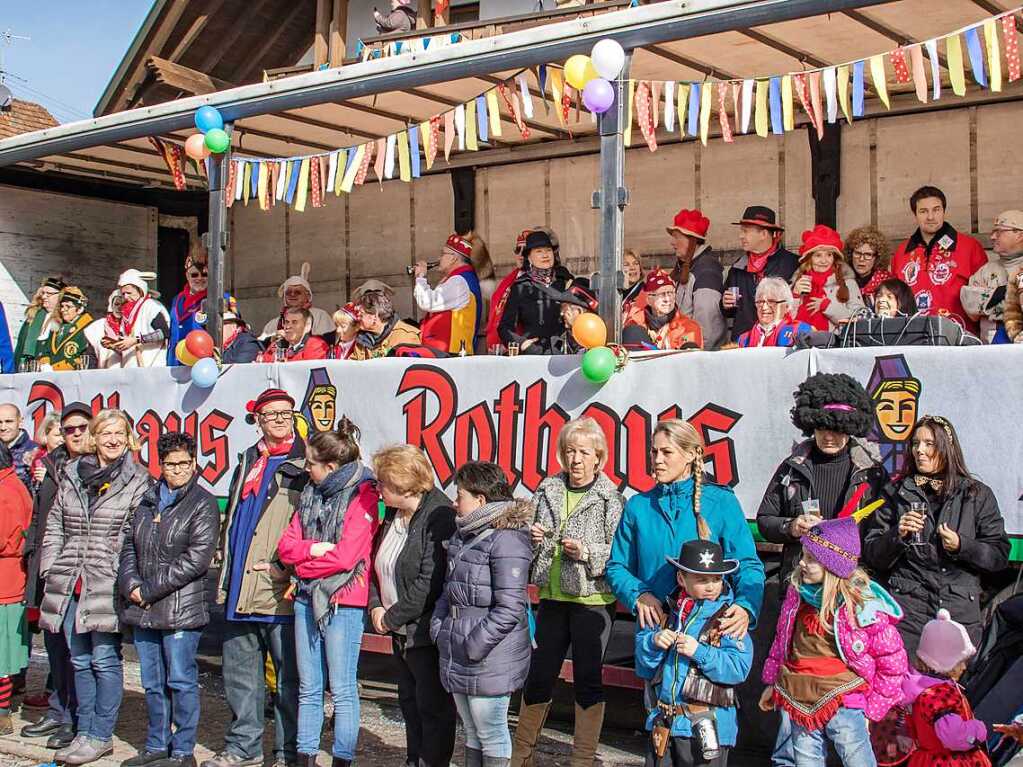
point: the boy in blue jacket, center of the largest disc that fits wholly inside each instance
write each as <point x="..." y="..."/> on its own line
<point x="691" y="666"/>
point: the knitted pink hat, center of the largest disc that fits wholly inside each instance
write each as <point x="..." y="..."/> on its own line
<point x="944" y="644"/>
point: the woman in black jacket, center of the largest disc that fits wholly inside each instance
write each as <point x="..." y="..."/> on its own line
<point x="939" y="531"/>
<point x="532" y="315"/>
<point x="409" y="561"/>
<point x="162" y="578"/>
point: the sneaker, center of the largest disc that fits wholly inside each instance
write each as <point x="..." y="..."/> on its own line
<point x="143" y="758"/>
<point x="39" y="700"/>
<point x="66" y="751"/>
<point x="91" y="750"/>
<point x="62" y="737"/>
<point x="227" y="759"/>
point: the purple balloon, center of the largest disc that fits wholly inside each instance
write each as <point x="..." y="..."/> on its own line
<point x="598" y="95"/>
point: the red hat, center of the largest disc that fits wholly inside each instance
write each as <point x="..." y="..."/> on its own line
<point x="459" y="246"/>
<point x="692" y="223"/>
<point x="520" y="241"/>
<point x="352" y="310"/>
<point x="821" y="237"/>
<point x="268" y="396"/>
<point x="656" y="280"/>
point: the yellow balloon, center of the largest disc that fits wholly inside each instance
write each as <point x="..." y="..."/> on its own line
<point x="579" y="70"/>
<point x="184" y="356"/>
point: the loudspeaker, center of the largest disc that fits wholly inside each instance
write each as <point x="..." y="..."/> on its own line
<point x="463" y="184"/>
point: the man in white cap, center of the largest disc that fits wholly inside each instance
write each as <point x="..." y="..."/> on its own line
<point x="140" y="338"/>
<point x="297" y="293"/>
<point x="984" y="296"/>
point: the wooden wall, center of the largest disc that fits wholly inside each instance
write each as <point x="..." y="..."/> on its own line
<point x="90" y="242"/>
<point x="380" y="229"/>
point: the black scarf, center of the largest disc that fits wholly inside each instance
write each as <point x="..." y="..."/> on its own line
<point x="369" y="340"/>
<point x="97" y="479"/>
<point x="655" y="323"/>
<point x="543" y="277"/>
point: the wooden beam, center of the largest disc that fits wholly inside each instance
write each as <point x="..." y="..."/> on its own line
<point x="183" y="78"/>
<point x="164" y="27"/>
<point x="338" y="33"/>
<point x="799" y="55"/>
<point x="223" y="46"/>
<point x="996" y="10"/>
<point x="242" y="130"/>
<point x="883" y="29"/>
<point x="256" y="59"/>
<point x="195" y="30"/>
<point x="313" y="123"/>
<point x="699" y="66"/>
<point x="160" y="169"/>
<point x="321" y="47"/>
<point x="442" y="18"/>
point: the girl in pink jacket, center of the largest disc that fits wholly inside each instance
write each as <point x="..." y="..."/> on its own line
<point x="837" y="659"/>
<point x="328" y="543"/>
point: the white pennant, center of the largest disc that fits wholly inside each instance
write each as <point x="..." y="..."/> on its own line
<point x="332" y="172"/>
<point x="239" y="179"/>
<point x="932" y="54"/>
<point x="747" y="104"/>
<point x="527" y="97"/>
<point x="282" y="174"/>
<point x="831" y="92"/>
<point x="669" y="106"/>
<point x="392" y="141"/>
<point x="460" y="126"/>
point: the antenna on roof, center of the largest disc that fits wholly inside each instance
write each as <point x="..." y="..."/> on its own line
<point x="6" y="40"/>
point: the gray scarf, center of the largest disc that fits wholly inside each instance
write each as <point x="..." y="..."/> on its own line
<point x="483" y="517"/>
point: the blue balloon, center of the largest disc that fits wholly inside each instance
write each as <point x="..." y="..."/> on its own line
<point x="205" y="373"/>
<point x="207" y="118"/>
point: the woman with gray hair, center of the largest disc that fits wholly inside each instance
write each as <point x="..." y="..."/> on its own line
<point x="577" y="514"/>
<point x="776" y="308"/>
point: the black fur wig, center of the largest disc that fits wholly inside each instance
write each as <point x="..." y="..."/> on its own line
<point x="815" y="392"/>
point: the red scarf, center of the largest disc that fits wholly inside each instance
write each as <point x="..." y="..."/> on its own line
<point x="130" y="311"/>
<point x="757" y="262"/>
<point x="817" y="319"/>
<point x="255" y="476"/>
<point x="112" y="326"/>
<point x="191" y="302"/>
<point x="760" y="337"/>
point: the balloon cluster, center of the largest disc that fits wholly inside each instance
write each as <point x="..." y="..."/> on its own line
<point x="212" y="140"/>
<point x="196" y="350"/>
<point x="600" y="361"/>
<point x="593" y="74"/>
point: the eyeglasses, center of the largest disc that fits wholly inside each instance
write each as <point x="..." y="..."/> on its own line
<point x="193" y="273"/>
<point x="176" y="465"/>
<point x="865" y="253"/>
<point x="69" y="430"/>
<point x="277" y="415"/>
<point x="767" y="302"/>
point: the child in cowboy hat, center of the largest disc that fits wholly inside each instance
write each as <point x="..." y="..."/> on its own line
<point x="691" y="666"/>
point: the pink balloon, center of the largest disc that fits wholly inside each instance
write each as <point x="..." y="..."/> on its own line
<point x="195" y="147"/>
<point x="598" y="95"/>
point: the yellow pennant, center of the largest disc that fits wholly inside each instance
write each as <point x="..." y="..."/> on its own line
<point x="471" y="140"/>
<point x="706" y="95"/>
<point x="287" y="175"/>
<point x="339" y="176"/>
<point x="404" y="161"/>
<point x="557" y="91"/>
<point x="683" y="107"/>
<point x="353" y="170"/>
<point x="426" y="136"/>
<point x="495" y="113"/>
<point x="787" y="112"/>
<point x="843" y="92"/>
<point x="247" y="183"/>
<point x="994" y="55"/>
<point x="264" y="177"/>
<point x="628" y="117"/>
<point x="879" y="78"/>
<point x="303" y="186"/>
<point x="956" y="73"/>
<point x="760" y="113"/>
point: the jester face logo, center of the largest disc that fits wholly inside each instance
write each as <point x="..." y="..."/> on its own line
<point x="322" y="408"/>
<point x="895" y="394"/>
<point x="895" y="410"/>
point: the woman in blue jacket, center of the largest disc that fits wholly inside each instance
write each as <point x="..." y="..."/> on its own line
<point x="683" y="506"/>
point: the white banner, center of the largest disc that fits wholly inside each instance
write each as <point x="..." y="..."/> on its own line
<point x="510" y="410"/>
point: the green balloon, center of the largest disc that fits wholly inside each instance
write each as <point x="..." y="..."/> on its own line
<point x="599" y="364"/>
<point x="217" y="141"/>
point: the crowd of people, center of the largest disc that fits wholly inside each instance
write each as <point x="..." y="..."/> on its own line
<point x="768" y="297"/>
<point x="880" y="601"/>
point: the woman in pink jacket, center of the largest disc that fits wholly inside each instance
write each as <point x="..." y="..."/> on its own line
<point x="328" y="543"/>
<point x="837" y="659"/>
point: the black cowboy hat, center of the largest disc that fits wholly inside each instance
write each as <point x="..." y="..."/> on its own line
<point x="703" y="558"/>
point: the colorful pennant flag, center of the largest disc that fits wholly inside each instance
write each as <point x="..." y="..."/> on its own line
<point x="956" y="71"/>
<point x="726" y="126"/>
<point x="787" y="112"/>
<point x="760" y="116"/>
<point x="694" y="109"/>
<point x="413" y="138"/>
<point x="404" y="164"/>
<point x="842" y="75"/>
<point x="472" y="119"/>
<point x="976" y="53"/>
<point x="994" y="55"/>
<point x="1011" y="37"/>
<point x="644" y="110"/>
<point x="877" y="77"/>
<point x="858" y="88"/>
<point x="916" y="56"/>
<point x="682" y="108"/>
<point x="495" y="113"/>
<point x="899" y="65"/>
<point x="303" y="185"/>
<point x="747" y="104"/>
<point x="774" y="97"/>
<point x="831" y="93"/>
<point x="706" y="94"/>
<point x="669" y="106"/>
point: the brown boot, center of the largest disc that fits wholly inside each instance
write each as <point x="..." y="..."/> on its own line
<point x="531" y="719"/>
<point x="588" y="723"/>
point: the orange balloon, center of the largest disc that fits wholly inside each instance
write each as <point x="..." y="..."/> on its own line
<point x="195" y="147"/>
<point x="589" y="330"/>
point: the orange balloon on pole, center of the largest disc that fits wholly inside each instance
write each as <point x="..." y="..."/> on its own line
<point x="195" y="147"/>
<point x="589" y="330"/>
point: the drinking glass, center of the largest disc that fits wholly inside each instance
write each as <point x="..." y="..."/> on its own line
<point x="917" y="538"/>
<point x="513" y="349"/>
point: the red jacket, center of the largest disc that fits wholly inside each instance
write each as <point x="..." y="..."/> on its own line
<point x="937" y="273"/>
<point x="497" y="302"/>
<point x="676" y="334"/>
<point x="15" y="517"/>
<point x="360" y="525"/>
<point x="314" y="348"/>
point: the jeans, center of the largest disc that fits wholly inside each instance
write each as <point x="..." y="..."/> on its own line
<point x="847" y="730"/>
<point x="333" y="655"/>
<point x="428" y="709"/>
<point x="170" y="677"/>
<point x="485" y="721"/>
<point x="245" y="646"/>
<point x="783" y="755"/>
<point x="99" y="676"/>
<point x="560" y="626"/>
<point x="63" y="706"/>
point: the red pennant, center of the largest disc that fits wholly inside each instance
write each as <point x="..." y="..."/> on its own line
<point x="898" y="59"/>
<point x="815" y="102"/>
<point x="803" y="91"/>
<point x="314" y="182"/>
<point x="643" y="113"/>
<point x="435" y="123"/>
<point x="363" y="171"/>
<point x="1011" y="38"/>
<point x="503" y="90"/>
<point x="726" y="126"/>
<point x="232" y="179"/>
<point x="172" y="158"/>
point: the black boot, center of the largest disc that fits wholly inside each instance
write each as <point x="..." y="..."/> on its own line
<point x="339" y="762"/>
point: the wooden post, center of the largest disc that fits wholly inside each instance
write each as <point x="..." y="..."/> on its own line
<point x="320" y="46"/>
<point x="338" y="33"/>
<point x="424" y="16"/>
<point x="440" y="19"/>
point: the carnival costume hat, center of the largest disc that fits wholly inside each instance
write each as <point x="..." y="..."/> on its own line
<point x="254" y="406"/>
<point x="54" y="283"/>
<point x="459" y="246"/>
<point x="760" y="215"/>
<point x="231" y="313"/>
<point x="835" y="543"/>
<point x="300" y="280"/>
<point x="703" y="558"/>
<point x="832" y="401"/>
<point x="579" y="293"/>
<point x="520" y="241"/>
<point x="137" y="279"/>
<point x="944" y="644"/>
<point x="73" y="295"/>
<point x="822" y="237"/>
<point x="656" y="280"/>
<point x="372" y="286"/>
<point x="691" y="223"/>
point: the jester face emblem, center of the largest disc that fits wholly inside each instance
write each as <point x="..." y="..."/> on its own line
<point x="322" y="408"/>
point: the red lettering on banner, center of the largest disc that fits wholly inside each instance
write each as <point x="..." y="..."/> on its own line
<point x="214" y="441"/>
<point x="475" y="426"/>
<point x="428" y="435"/>
<point x="607" y="419"/>
<point x="44" y="393"/>
<point x="539" y="419"/>
<point x="149" y="428"/>
<point x="637" y="449"/>
<point x="720" y="452"/>
<point x="507" y="408"/>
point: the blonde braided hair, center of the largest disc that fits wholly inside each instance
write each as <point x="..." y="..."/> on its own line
<point x="684" y="436"/>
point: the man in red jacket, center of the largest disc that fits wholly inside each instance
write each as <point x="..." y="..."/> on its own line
<point x="937" y="261"/>
<point x="295" y="340"/>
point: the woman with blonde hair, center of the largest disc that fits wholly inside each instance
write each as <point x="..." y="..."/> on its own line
<point x="577" y="513"/>
<point x="85" y="529"/>
<point x="683" y="505"/>
<point x="409" y="562"/>
<point x="40" y="321"/>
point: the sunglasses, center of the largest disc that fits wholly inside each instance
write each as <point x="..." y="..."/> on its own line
<point x="69" y="430"/>
<point x="193" y="273"/>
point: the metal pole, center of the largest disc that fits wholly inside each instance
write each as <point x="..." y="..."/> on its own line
<point x="217" y="238"/>
<point x="610" y="200"/>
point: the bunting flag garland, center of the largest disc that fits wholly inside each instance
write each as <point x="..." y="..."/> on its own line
<point x="361" y="160"/>
<point x="473" y="116"/>
<point x="303" y="185"/>
<point x="413" y="138"/>
<point x="706" y="95"/>
<point x="264" y="179"/>
<point x="404" y="164"/>
<point x="815" y="102"/>
<point x="449" y="134"/>
<point x="1011" y="46"/>
<point x="460" y="124"/>
<point x="480" y="110"/>
<point x="760" y="116"/>
<point x="831" y="93"/>
<point x="513" y="108"/>
<point x="877" y="76"/>
<point x="389" y="158"/>
<point x="774" y="98"/>
<point x="682" y="110"/>
<point x="627" y="133"/>
<point x="858" y="89"/>
<point x="973" y="47"/>
<point x="736" y="97"/>
<point x="644" y="111"/>
<point x="842" y="75"/>
<point x="994" y="55"/>
<point x="381" y="156"/>
<point x="726" y="126"/>
<point x="747" y="104"/>
<point x="173" y="157"/>
<point x="525" y="95"/>
<point x="956" y="73"/>
<point x="916" y="56"/>
<point x="352" y="171"/>
<point x="314" y="178"/>
<point x="655" y="100"/>
<point x="787" y="112"/>
<point x="803" y="92"/>
<point x="898" y="59"/>
<point x="246" y="183"/>
<point x="431" y="153"/>
<point x="669" y="106"/>
<point x="694" y="109"/>
<point x="332" y="170"/>
<point x="495" y="113"/>
<point x="232" y="174"/>
<point x="932" y="56"/>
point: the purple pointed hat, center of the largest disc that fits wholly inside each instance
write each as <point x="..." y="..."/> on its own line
<point x="836" y="545"/>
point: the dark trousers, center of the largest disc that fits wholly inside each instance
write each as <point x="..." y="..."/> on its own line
<point x="428" y="708"/>
<point x="680" y="754"/>
<point x="63" y="706"/>
<point x="560" y="626"/>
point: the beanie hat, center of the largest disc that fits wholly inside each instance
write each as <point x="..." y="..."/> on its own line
<point x="832" y="401"/>
<point x="352" y="310"/>
<point x="944" y="644"/>
<point x="822" y="238"/>
<point x="301" y="280"/>
<point x="460" y="246"/>
<point x="254" y="406"/>
<point x="656" y="280"/>
<point x="836" y="545"/>
<point x="136" y="278"/>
